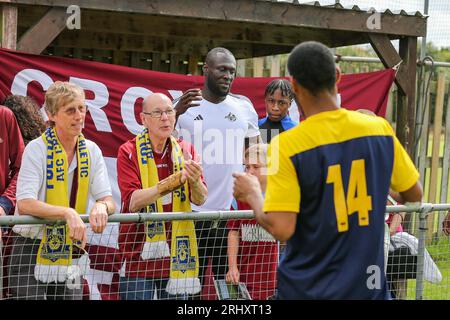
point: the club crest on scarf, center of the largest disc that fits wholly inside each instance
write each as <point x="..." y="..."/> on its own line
<point x="55" y="247"/>
<point x="183" y="260"/>
<point x="155" y="228"/>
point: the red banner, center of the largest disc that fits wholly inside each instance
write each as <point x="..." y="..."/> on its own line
<point x="114" y="93"/>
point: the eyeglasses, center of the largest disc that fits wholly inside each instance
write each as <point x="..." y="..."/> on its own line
<point x="159" y="113"/>
<point x="280" y="103"/>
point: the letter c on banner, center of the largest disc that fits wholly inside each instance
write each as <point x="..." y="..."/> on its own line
<point x="23" y="78"/>
<point x="127" y="108"/>
<point x="95" y="106"/>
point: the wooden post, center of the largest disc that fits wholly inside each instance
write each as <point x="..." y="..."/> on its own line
<point x="390" y="107"/>
<point x="445" y="165"/>
<point x="258" y="67"/>
<point x="156" y="61"/>
<point x="407" y="96"/>
<point x="8" y="26"/>
<point x="423" y="156"/>
<point x="435" y="151"/>
<point x="39" y="36"/>
<point x="193" y="65"/>
<point x="240" y="66"/>
<point x="118" y="57"/>
<point x="275" y="66"/>
<point x="174" y="63"/>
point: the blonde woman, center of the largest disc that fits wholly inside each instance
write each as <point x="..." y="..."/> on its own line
<point x="60" y="171"/>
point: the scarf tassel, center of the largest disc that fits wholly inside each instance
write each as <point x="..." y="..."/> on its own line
<point x="60" y="273"/>
<point x="155" y="250"/>
<point x="183" y="285"/>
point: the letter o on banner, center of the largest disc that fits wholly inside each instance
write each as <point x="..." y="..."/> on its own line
<point x="127" y="108"/>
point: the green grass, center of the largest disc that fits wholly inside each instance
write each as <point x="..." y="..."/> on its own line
<point x="440" y="253"/>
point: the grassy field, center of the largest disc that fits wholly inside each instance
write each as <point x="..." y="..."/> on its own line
<point x="440" y="253"/>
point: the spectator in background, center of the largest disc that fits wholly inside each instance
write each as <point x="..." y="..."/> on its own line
<point x="31" y="125"/>
<point x="27" y="113"/>
<point x="60" y="171"/>
<point x="278" y="99"/>
<point x="252" y="251"/>
<point x="11" y="149"/>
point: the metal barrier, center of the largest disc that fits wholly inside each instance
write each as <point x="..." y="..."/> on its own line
<point x="400" y="268"/>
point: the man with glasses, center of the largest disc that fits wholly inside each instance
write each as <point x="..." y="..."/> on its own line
<point x="278" y="99"/>
<point x="156" y="173"/>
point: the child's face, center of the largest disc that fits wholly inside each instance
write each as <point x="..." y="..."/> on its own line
<point x="277" y="105"/>
<point x="257" y="169"/>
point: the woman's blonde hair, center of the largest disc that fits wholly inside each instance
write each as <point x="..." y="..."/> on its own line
<point x="61" y="93"/>
<point x="257" y="153"/>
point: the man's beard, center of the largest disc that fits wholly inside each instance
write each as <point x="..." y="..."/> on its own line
<point x="215" y="89"/>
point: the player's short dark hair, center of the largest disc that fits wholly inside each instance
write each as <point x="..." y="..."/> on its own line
<point x="213" y="52"/>
<point x="283" y="85"/>
<point x="312" y="65"/>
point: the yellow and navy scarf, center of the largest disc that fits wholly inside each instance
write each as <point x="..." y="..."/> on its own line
<point x="184" y="264"/>
<point x="55" y="250"/>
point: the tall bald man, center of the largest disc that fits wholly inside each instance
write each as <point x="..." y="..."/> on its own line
<point x="157" y="173"/>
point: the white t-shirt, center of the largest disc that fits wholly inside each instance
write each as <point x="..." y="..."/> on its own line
<point x="31" y="180"/>
<point x="218" y="132"/>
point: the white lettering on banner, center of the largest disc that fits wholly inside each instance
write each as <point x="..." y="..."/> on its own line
<point x="101" y="97"/>
<point x="175" y="93"/>
<point x="127" y="108"/>
<point x="255" y="233"/>
<point x="23" y="78"/>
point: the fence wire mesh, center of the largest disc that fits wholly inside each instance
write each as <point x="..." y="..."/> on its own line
<point x="200" y="259"/>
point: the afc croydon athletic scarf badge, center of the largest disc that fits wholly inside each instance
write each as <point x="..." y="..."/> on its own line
<point x="183" y="260"/>
<point x="56" y="248"/>
<point x="230" y="117"/>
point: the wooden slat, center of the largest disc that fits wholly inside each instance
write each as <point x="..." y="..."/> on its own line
<point x="77" y="53"/>
<point x="38" y="37"/>
<point x="408" y="53"/>
<point x="258" y="12"/>
<point x="156" y="61"/>
<point x="445" y="165"/>
<point x="258" y="67"/>
<point x="193" y="65"/>
<point x="240" y="68"/>
<point x="8" y="26"/>
<point x="174" y="63"/>
<point x="435" y="151"/>
<point x="119" y="58"/>
<point x="390" y="107"/>
<point x="275" y="66"/>
<point x="424" y="139"/>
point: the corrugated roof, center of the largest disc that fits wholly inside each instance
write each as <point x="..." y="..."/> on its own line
<point x="354" y="8"/>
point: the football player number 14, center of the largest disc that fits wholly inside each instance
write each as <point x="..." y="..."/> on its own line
<point x="357" y="199"/>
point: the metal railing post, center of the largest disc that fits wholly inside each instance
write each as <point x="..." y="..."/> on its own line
<point x="423" y="212"/>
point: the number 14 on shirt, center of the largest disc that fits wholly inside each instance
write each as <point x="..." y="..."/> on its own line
<point x="357" y="199"/>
